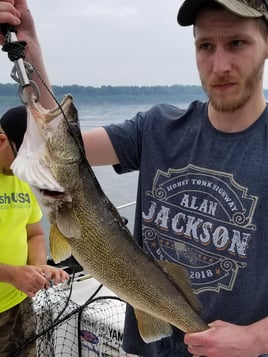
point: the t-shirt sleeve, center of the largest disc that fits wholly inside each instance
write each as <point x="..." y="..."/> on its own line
<point x="134" y="138"/>
<point x="127" y="142"/>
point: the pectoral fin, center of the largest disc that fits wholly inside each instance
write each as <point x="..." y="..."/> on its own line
<point x="179" y="276"/>
<point x="150" y="328"/>
<point x="67" y="223"/>
<point x="59" y="246"/>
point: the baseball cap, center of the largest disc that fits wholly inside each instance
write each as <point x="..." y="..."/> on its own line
<point x="14" y="124"/>
<point x="245" y="8"/>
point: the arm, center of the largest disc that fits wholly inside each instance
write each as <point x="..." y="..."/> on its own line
<point x="36" y="244"/>
<point x="98" y="146"/>
<point x="36" y="274"/>
<point x="224" y="339"/>
<point x="37" y="256"/>
<point x="26" y="278"/>
<point x="17" y="13"/>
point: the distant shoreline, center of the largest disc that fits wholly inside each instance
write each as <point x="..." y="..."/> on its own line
<point x="106" y="94"/>
<point x="88" y="95"/>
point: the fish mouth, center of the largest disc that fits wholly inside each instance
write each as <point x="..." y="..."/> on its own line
<point x="52" y="194"/>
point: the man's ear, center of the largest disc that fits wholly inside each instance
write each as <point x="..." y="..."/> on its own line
<point x="3" y="140"/>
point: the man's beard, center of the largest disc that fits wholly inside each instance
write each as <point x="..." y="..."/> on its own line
<point x="231" y="104"/>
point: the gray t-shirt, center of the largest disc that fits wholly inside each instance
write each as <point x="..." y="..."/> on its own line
<point x="202" y="202"/>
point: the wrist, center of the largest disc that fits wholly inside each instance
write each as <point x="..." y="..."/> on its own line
<point x="258" y="332"/>
<point x="7" y="273"/>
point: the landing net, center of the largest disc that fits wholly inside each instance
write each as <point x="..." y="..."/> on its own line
<point x="66" y="328"/>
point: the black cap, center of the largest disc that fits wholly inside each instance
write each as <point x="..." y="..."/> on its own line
<point x="245" y="8"/>
<point x="14" y="124"/>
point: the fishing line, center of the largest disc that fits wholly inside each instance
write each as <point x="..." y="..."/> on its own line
<point x="81" y="148"/>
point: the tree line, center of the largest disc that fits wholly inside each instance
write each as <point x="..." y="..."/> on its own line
<point x="115" y="94"/>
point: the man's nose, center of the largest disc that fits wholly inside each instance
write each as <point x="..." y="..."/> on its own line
<point x="221" y="61"/>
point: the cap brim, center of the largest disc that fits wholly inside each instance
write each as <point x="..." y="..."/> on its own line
<point x="189" y="9"/>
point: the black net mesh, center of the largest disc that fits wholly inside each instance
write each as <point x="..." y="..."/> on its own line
<point x="65" y="328"/>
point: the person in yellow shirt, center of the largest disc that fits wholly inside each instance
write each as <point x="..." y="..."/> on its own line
<point x="23" y="257"/>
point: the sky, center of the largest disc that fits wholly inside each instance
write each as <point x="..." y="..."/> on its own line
<point x="112" y="42"/>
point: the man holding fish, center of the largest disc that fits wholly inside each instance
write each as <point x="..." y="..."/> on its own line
<point x="23" y="255"/>
<point x="202" y="196"/>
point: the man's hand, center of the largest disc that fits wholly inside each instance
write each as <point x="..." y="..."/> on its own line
<point x="17" y="13"/>
<point x="224" y="339"/>
<point x="8" y="15"/>
<point x="27" y="278"/>
<point x="56" y="275"/>
<point x="30" y="278"/>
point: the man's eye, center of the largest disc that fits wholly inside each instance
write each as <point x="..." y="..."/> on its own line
<point x="236" y="43"/>
<point x="205" y="46"/>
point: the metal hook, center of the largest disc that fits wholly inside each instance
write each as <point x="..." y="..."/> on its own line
<point x="20" y="72"/>
<point x="35" y="93"/>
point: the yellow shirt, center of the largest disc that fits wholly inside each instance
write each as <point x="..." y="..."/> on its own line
<point x="18" y="207"/>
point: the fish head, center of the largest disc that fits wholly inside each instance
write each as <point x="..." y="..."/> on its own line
<point x="50" y="154"/>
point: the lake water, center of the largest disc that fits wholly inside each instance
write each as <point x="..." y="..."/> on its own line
<point x="120" y="189"/>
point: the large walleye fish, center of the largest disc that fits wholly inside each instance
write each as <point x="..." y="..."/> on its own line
<point x="85" y="223"/>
